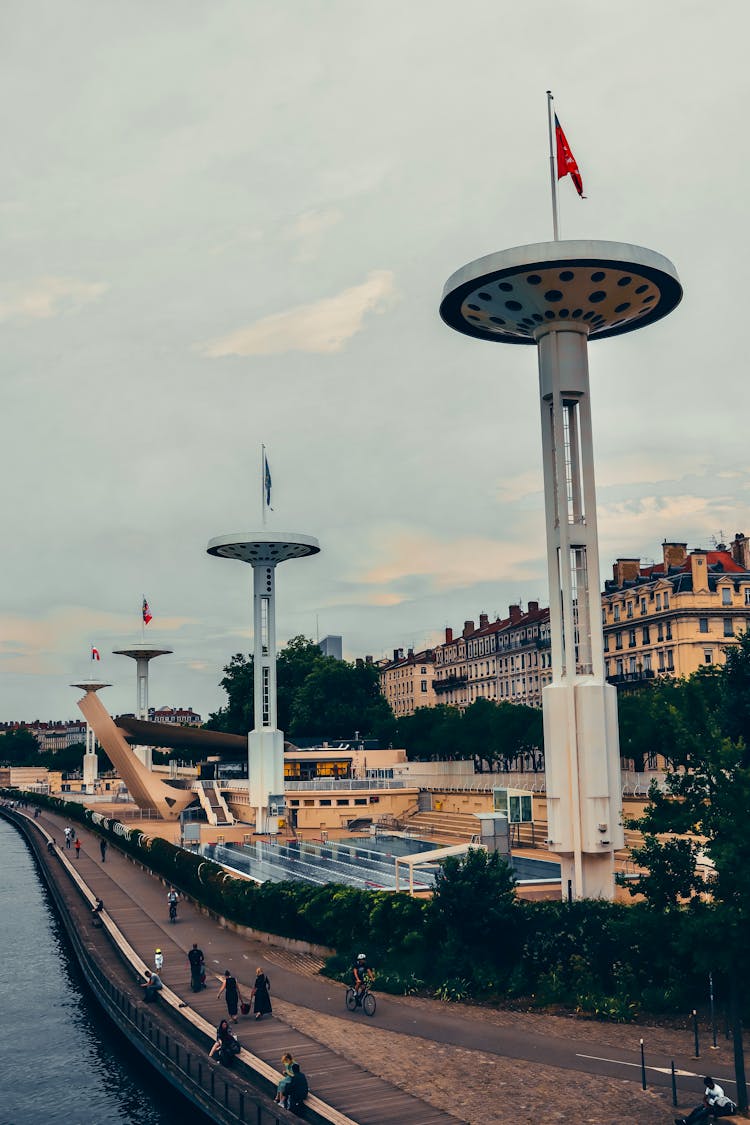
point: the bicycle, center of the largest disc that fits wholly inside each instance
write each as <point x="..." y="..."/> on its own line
<point x="363" y="999"/>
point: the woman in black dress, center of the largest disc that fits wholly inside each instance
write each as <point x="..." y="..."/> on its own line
<point x="231" y="992"/>
<point x="261" y="999"/>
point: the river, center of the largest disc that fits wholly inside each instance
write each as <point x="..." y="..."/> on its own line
<point x="62" y="1061"/>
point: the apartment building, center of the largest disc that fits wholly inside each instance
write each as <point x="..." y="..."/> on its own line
<point x="505" y="660"/>
<point x="672" y="617"/>
<point x="407" y="681"/>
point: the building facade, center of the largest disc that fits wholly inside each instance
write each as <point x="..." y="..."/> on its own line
<point x="505" y="660"/>
<point x="673" y="617"/>
<point x="407" y="681"/>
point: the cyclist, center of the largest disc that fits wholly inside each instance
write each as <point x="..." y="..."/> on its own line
<point x="363" y="975"/>
<point x="172" y="900"/>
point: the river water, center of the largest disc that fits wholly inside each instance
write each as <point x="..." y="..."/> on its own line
<point x="61" y="1059"/>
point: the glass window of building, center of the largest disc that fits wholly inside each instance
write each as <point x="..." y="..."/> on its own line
<point x="726" y="595"/>
<point x="702" y="624"/>
<point x="728" y="627"/>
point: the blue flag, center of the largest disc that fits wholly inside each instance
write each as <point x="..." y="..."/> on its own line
<point x="267" y="481"/>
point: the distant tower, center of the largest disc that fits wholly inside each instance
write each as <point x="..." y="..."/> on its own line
<point x="557" y="296"/>
<point x="264" y="550"/>
<point x="142" y="654"/>
<point x="90" y="762"/>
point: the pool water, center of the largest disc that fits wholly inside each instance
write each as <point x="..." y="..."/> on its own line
<point x="363" y="861"/>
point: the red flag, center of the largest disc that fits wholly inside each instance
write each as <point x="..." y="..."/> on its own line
<point x="146" y="612"/>
<point x="95" y="653"/>
<point x="566" y="162"/>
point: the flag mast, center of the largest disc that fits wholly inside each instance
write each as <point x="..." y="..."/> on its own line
<point x="552" y="176"/>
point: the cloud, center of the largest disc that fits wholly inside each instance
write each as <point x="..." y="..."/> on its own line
<point x="307" y="231"/>
<point x="48" y="297"/>
<point x="447" y="565"/>
<point x="323" y="326"/>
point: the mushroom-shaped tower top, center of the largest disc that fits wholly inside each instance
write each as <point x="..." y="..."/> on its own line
<point x="91" y="685"/>
<point x="142" y="652"/>
<point x="263" y="548"/>
<point x="604" y="288"/>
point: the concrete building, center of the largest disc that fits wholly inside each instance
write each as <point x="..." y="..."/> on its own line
<point x="332" y="645"/>
<point x="671" y="618"/>
<point x="407" y="682"/>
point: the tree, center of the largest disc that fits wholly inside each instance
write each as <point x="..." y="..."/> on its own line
<point x="706" y="798"/>
<point x="339" y="699"/>
<point x="19" y="747"/>
<point x="236" y="717"/>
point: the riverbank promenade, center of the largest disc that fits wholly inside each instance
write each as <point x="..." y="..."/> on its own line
<point x="455" y="1063"/>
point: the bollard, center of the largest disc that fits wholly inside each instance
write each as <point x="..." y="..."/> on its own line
<point x="714" y="1046"/>
<point x="643" y="1067"/>
<point x="695" y="1033"/>
<point x="674" y="1086"/>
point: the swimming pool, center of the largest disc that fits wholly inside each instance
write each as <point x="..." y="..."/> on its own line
<point x="366" y="861"/>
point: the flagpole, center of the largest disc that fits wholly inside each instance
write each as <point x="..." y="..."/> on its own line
<point x="552" y="176"/>
<point x="263" y="483"/>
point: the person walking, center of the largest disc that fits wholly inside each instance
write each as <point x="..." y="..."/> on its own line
<point x="197" y="968"/>
<point x="231" y="993"/>
<point x="77" y="846"/>
<point x="158" y="960"/>
<point x="68" y="836"/>
<point x="260" y="995"/>
<point x="103" y="848"/>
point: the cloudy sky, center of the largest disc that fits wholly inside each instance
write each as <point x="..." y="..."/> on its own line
<point x="230" y="223"/>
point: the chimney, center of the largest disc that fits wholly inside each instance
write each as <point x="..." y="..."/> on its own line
<point x="448" y="635"/>
<point x="675" y="554"/>
<point x="533" y="607"/>
<point x="410" y="654"/>
<point x="368" y="659"/>
<point x="468" y="628"/>
<point x="626" y="570"/>
<point x="483" y="620"/>
<point x="699" y="571"/>
<point x="514" y="612"/>
<point x="741" y="550"/>
<point x="395" y="654"/>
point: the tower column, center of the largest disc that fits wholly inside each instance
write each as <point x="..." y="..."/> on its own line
<point x="264" y="646"/>
<point x="558" y="296"/>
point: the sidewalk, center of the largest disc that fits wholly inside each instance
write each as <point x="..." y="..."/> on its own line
<point x="404" y="1031"/>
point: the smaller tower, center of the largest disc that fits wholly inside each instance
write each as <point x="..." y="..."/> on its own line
<point x="142" y="654"/>
<point x="264" y="550"/>
<point x="90" y="763"/>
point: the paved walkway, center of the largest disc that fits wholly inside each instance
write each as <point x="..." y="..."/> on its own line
<point x="137" y="903"/>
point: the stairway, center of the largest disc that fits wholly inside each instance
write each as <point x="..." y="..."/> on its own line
<point x="457" y="827"/>
<point x="214" y="805"/>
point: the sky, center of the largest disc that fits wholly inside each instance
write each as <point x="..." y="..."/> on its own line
<point x="225" y="224"/>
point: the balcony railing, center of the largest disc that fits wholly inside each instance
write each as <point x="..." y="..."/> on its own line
<point x="632" y="677"/>
<point x="449" y="683"/>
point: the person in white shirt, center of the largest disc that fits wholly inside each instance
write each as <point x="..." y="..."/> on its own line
<point x="715" y="1104"/>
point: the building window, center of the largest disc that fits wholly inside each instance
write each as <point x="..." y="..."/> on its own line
<point x="646" y="635"/>
<point x="708" y="656"/>
<point x="747" y="595"/>
<point x="631" y="638"/>
<point x="670" y="660"/>
<point x="633" y="667"/>
<point x="702" y="624"/>
<point x="647" y="662"/>
<point x="606" y="644"/>
<point x="666" y="599"/>
<point x="728" y="628"/>
<point x="661" y="660"/>
<point x="616" y="612"/>
<point x="618" y="640"/>
<point x="424" y="685"/>
<point x="660" y="631"/>
<point x="726" y="595"/>
<point x="619" y="667"/>
<point x="644" y="606"/>
<point x="630" y="609"/>
<point x="658" y="601"/>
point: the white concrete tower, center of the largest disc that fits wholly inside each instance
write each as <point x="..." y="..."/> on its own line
<point x="143" y="654"/>
<point x="90" y="762"/>
<point x="558" y="296"/>
<point x="263" y="550"/>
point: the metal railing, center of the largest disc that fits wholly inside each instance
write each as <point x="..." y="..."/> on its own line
<point x="329" y="784"/>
